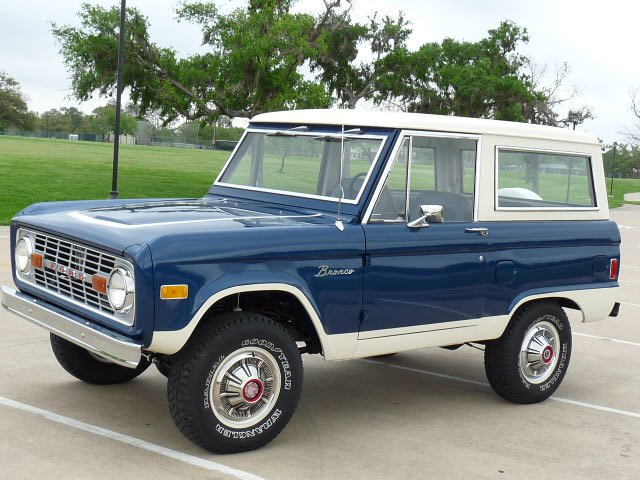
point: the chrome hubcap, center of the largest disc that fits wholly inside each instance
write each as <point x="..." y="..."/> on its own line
<point x="539" y="352"/>
<point x="245" y="387"/>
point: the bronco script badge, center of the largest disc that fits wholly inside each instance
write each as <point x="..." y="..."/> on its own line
<point x="325" y="271"/>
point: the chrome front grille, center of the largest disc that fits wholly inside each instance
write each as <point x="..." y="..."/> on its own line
<point x="69" y="269"/>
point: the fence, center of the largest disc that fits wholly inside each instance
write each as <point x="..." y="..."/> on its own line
<point x="142" y="137"/>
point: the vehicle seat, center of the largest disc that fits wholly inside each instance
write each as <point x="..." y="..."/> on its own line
<point x="455" y="207"/>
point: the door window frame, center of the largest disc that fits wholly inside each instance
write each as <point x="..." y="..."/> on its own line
<point x="394" y="152"/>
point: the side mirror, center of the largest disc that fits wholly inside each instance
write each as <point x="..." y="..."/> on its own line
<point x="430" y="213"/>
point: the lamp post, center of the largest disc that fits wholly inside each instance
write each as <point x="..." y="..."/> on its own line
<point x="116" y="140"/>
<point x="613" y="167"/>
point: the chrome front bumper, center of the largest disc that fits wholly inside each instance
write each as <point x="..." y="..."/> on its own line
<point x="108" y="345"/>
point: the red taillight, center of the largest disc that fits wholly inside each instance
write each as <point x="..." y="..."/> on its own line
<point x="613" y="269"/>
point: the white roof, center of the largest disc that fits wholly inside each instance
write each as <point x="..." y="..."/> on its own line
<point x="421" y="121"/>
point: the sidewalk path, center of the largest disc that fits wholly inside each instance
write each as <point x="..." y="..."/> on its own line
<point x="632" y="197"/>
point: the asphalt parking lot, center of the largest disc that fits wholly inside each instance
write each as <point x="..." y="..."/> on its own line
<point x="422" y="414"/>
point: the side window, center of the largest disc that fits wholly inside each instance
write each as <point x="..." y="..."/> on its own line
<point x="534" y="180"/>
<point x="435" y="171"/>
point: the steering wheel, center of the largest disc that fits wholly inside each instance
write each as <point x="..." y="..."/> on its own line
<point x="352" y="184"/>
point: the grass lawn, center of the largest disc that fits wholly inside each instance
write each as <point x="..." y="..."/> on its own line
<point x="37" y="170"/>
<point x="620" y="187"/>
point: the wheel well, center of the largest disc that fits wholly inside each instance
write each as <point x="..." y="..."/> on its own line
<point x="283" y="307"/>
<point x="563" y="302"/>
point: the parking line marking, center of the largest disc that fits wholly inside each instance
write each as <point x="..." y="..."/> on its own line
<point x="4" y="236"/>
<point x="631" y="304"/>
<point x="596" y="407"/>
<point x="614" y="340"/>
<point x="133" y="441"/>
<point x="592" y="406"/>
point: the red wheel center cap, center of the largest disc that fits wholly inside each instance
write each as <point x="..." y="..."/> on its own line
<point x="547" y="354"/>
<point x="252" y="391"/>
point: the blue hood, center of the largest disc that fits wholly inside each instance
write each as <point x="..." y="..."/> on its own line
<point x="118" y="224"/>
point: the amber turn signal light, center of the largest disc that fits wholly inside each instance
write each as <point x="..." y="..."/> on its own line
<point x="174" y="292"/>
<point x="36" y="260"/>
<point x="99" y="284"/>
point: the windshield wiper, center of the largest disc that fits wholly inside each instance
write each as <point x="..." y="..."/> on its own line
<point x="337" y="137"/>
<point x="289" y="132"/>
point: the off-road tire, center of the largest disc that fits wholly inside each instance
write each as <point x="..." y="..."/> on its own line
<point x="508" y="372"/>
<point x="88" y="368"/>
<point x="200" y="372"/>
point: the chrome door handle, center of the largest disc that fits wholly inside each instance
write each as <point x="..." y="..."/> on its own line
<point x="481" y="230"/>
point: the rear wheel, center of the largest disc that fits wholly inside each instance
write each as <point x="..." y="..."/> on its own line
<point x="236" y="383"/>
<point x="527" y="364"/>
<point x="92" y="368"/>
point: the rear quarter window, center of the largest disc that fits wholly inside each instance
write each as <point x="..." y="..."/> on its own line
<point x="538" y="180"/>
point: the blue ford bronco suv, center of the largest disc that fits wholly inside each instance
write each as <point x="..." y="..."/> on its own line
<point x="341" y="233"/>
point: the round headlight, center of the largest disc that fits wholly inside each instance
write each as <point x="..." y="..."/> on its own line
<point x="23" y="252"/>
<point x="120" y="290"/>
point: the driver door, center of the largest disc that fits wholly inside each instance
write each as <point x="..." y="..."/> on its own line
<point x="432" y="275"/>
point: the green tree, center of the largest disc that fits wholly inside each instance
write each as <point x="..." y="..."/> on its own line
<point x="103" y="121"/>
<point x="201" y="134"/>
<point x="348" y="76"/>
<point x="627" y="161"/>
<point x="74" y="116"/>
<point x="253" y="63"/>
<point x="54" y="120"/>
<point x="13" y="109"/>
<point x="482" y="79"/>
<point x="65" y="119"/>
<point x="257" y="58"/>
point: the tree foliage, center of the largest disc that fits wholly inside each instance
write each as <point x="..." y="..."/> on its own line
<point x="252" y="63"/>
<point x="103" y="121"/>
<point x="65" y="119"/>
<point x="258" y="58"/>
<point x="627" y="161"/>
<point x="13" y="109"/>
<point x="471" y="79"/>
<point x="196" y="133"/>
<point x="339" y="61"/>
<point x="71" y="120"/>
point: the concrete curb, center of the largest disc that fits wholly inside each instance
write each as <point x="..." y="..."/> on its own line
<point x="632" y="197"/>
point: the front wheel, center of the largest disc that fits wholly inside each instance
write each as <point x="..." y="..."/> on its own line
<point x="527" y="364"/>
<point x="236" y="383"/>
<point x="91" y="368"/>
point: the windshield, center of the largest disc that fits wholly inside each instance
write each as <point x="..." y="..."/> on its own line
<point x="304" y="164"/>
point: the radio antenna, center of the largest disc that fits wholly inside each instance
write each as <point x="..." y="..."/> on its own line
<point x="339" y="224"/>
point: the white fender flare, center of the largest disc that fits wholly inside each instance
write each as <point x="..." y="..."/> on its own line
<point x="333" y="346"/>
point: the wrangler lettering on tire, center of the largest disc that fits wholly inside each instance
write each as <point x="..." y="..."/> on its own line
<point x="236" y="383"/>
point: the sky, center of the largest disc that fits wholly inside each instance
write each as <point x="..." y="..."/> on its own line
<point x="598" y="40"/>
